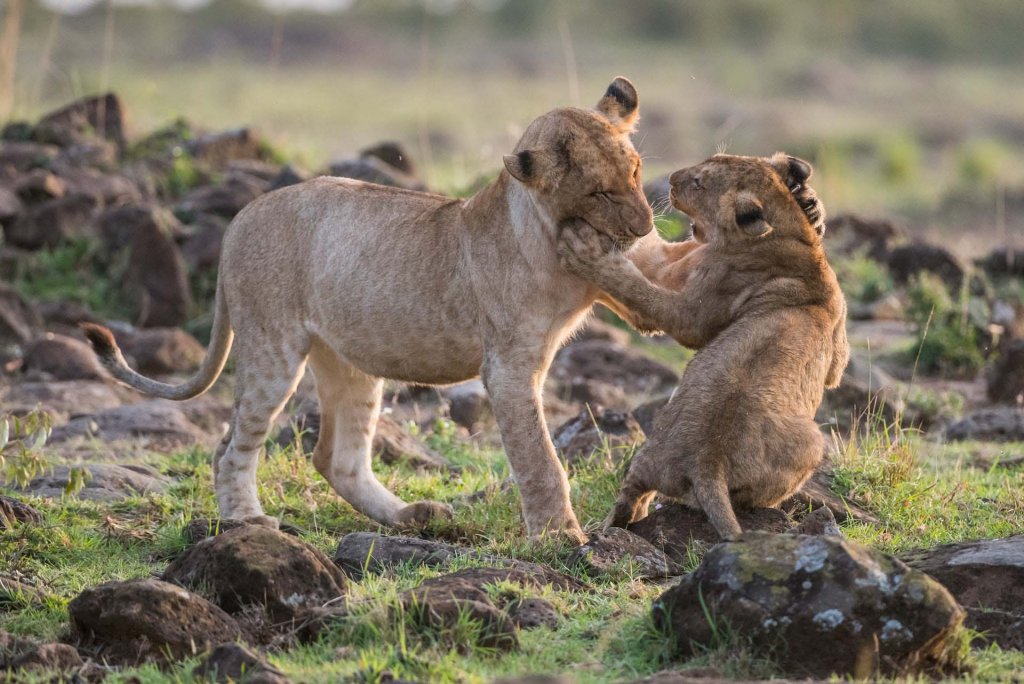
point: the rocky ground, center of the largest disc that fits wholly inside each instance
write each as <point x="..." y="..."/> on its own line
<point x="114" y="566"/>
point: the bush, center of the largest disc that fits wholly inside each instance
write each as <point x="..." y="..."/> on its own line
<point x="862" y="278"/>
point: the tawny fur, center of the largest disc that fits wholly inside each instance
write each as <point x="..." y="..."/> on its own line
<point x="365" y="282"/>
<point x="761" y="303"/>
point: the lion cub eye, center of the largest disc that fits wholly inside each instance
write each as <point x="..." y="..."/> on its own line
<point x="602" y="195"/>
<point x="750" y="215"/>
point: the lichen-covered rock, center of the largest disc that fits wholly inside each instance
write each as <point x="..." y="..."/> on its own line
<point x="674" y="527"/>
<point x="619" y="548"/>
<point x="144" y="619"/>
<point x="817" y="606"/>
<point x="258" y="566"/>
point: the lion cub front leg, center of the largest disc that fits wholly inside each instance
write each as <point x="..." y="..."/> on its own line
<point x="513" y="379"/>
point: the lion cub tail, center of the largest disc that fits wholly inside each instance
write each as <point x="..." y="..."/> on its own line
<point x="103" y="343"/>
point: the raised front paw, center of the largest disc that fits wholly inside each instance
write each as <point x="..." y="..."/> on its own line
<point x="581" y="249"/>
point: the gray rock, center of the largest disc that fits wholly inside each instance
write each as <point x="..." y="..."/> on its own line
<point x="235" y="663"/>
<point x="63" y="358"/>
<point x="159" y="424"/>
<point x="875" y="614"/>
<point x="997" y="424"/>
<point x="613" y="363"/>
<point x="531" y="613"/>
<point x="13" y="511"/>
<point x="368" y="552"/>
<point x="469" y="404"/>
<point x="579" y="439"/>
<point x="158" y="351"/>
<point x="1006" y="375"/>
<point x="19" y="321"/>
<point x="81" y="120"/>
<point x="64" y="399"/>
<point x="103" y="482"/>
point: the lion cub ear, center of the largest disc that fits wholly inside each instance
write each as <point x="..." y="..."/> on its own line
<point x="750" y="216"/>
<point x="793" y="170"/>
<point x="620" y="104"/>
<point x="524" y="166"/>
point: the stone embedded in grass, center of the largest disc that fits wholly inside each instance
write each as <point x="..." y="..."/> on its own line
<point x="62" y="358"/>
<point x="674" y="527"/>
<point x="980" y="574"/>
<point x="583" y="438"/>
<point x="144" y="620"/>
<point x="618" y="549"/>
<point x="1006" y="376"/>
<point x="360" y="553"/>
<point x="63" y="399"/>
<point x="13" y="511"/>
<point x="235" y="663"/>
<point x="258" y="566"/>
<point x="49" y="657"/>
<point x="100" y="482"/>
<point x="445" y="603"/>
<point x="815" y="606"/>
<point x="531" y="613"/>
<point x="199" y="529"/>
<point x="157" y="424"/>
<point x="997" y="424"/>
<point x="157" y="351"/>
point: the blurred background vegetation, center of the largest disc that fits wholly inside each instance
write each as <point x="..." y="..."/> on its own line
<point x="912" y="109"/>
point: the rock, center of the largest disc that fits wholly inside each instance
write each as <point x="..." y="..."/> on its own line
<point x="530" y="613"/>
<point x="445" y="602"/>
<point x="258" y="566"/>
<point x="63" y="358"/>
<point x="817" y="493"/>
<point x="909" y="260"/>
<point x="100" y="115"/>
<point x="50" y="657"/>
<point x="217" y="149"/>
<point x="820" y="521"/>
<point x="368" y="552"/>
<point x="226" y="198"/>
<point x="13" y="511"/>
<point x="103" y="482"/>
<point x="104" y="189"/>
<point x="394" y="155"/>
<point x="469" y="405"/>
<point x="17" y="592"/>
<point x="594" y="393"/>
<point x="24" y="156"/>
<point x="373" y="170"/>
<point x="159" y="424"/>
<point x="235" y="663"/>
<point x="156" y="276"/>
<point x="612" y="363"/>
<point x="591" y="430"/>
<point x="97" y="154"/>
<point x="158" y="351"/>
<point x="981" y="574"/>
<point x="864" y="391"/>
<point x="147" y="620"/>
<point x="852" y="234"/>
<point x="619" y="549"/>
<point x="1006" y="375"/>
<point x="52" y="222"/>
<point x="39" y="185"/>
<point x="674" y="527"/>
<point x="997" y="424"/>
<point x="997" y="627"/>
<point x="1003" y="262"/>
<point x="645" y="412"/>
<point x="202" y="248"/>
<point x="288" y="175"/>
<point x="876" y="614"/>
<point x="395" y="445"/>
<point x="11" y="207"/>
<point x="63" y="399"/>
<point x="19" y="322"/>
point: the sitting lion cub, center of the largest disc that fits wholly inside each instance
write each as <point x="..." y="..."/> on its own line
<point x="761" y="303"/>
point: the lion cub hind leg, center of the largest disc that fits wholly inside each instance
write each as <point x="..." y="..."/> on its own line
<point x="349" y="409"/>
<point x="267" y="377"/>
<point x="712" y="493"/>
<point x="637" y="490"/>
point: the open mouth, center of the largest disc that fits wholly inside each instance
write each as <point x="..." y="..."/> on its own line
<point x="697" y="231"/>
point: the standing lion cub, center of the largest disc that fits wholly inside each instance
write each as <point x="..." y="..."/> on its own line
<point x="366" y="282"/>
<point x="759" y="300"/>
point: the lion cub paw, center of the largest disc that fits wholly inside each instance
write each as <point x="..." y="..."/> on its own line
<point x="418" y="515"/>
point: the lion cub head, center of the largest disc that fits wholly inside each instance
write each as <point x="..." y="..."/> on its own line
<point x="733" y="199"/>
<point x="581" y="164"/>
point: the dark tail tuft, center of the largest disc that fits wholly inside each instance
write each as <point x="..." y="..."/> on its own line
<point x="101" y="339"/>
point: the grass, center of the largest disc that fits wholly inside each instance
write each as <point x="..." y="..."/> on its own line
<point x="923" y="493"/>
